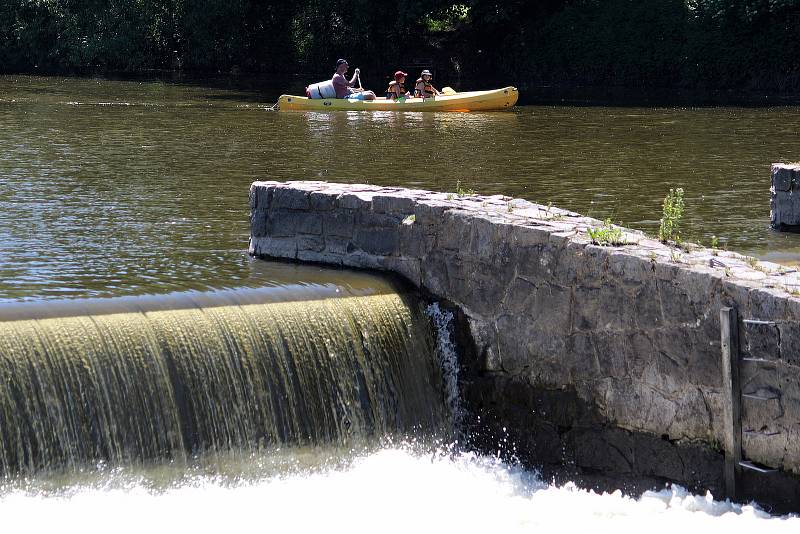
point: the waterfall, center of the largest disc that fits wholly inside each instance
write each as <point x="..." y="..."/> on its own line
<point x="235" y="374"/>
<point x="447" y="356"/>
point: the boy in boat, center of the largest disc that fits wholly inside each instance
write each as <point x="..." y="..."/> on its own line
<point x="344" y="88"/>
<point x="397" y="88"/>
<point x="424" y="88"/>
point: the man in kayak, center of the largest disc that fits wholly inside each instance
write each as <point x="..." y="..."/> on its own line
<point x="344" y="88"/>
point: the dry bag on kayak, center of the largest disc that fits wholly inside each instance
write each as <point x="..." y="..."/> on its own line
<point x="321" y="90"/>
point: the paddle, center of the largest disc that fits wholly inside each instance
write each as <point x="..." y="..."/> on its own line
<point x="449" y="91"/>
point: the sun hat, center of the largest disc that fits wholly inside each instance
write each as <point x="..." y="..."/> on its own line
<point x="399" y="74"/>
<point x="426" y="71"/>
<point x="340" y="61"/>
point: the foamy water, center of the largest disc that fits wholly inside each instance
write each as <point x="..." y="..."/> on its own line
<point x="391" y="490"/>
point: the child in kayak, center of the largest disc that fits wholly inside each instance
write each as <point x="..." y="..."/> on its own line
<point x="424" y="88"/>
<point x="397" y="88"/>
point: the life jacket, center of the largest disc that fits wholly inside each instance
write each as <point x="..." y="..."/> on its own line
<point x="390" y="92"/>
<point x="427" y="88"/>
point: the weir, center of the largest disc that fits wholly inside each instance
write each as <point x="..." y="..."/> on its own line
<point x="602" y="361"/>
<point x="160" y="378"/>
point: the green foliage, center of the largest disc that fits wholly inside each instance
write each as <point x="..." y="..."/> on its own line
<point x="671" y="216"/>
<point x="700" y="44"/>
<point x="461" y="191"/>
<point x="608" y="235"/>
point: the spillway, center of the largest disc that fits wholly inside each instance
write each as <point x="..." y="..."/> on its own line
<point x="122" y="381"/>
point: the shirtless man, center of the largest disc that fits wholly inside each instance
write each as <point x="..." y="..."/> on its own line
<point x="344" y="88"/>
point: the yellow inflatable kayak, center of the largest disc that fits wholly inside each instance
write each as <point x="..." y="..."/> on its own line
<point x="494" y="100"/>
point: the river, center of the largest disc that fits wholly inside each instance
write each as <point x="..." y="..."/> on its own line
<point x="118" y="188"/>
<point x="127" y="188"/>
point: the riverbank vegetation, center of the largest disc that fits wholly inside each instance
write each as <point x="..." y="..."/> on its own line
<point x="748" y="45"/>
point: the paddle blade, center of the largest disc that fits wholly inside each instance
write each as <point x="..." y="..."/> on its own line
<point x="449" y="91"/>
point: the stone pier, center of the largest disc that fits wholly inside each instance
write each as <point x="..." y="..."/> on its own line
<point x="601" y="360"/>
<point x="785" y="197"/>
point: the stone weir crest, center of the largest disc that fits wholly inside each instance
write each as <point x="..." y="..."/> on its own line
<point x="607" y="358"/>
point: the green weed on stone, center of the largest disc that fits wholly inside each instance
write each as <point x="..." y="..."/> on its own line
<point x="608" y="235"/>
<point x="670" y="229"/>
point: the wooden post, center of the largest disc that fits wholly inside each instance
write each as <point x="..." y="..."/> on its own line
<point x="731" y="397"/>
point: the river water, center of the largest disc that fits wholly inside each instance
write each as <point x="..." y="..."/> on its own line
<point x="112" y="188"/>
<point x="120" y="188"/>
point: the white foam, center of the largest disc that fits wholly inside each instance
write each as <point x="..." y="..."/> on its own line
<point x="392" y="490"/>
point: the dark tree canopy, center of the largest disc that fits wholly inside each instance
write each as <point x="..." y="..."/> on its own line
<point x="731" y="44"/>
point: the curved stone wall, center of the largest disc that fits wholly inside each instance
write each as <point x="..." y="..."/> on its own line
<point x="625" y="339"/>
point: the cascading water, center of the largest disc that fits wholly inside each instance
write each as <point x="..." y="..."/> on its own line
<point x="232" y="374"/>
<point x="447" y="355"/>
<point x="293" y="406"/>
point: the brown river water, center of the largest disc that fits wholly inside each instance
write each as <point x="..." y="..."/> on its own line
<point x="137" y="190"/>
<point x="114" y="188"/>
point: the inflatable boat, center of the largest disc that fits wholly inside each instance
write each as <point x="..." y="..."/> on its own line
<point x="494" y="100"/>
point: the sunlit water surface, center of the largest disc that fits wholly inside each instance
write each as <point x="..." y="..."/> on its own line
<point x="114" y="188"/>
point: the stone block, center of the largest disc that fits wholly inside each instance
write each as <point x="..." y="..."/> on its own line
<point x="629" y="270"/>
<point x="454" y="231"/>
<point x="529" y="236"/>
<point x="370" y="219"/>
<point x="760" y="341"/>
<point x="784" y="202"/>
<point x="319" y="201"/>
<point x="380" y="241"/>
<point x="310" y="242"/>
<point x="319" y="257"/>
<point x="260" y="197"/>
<point x="790" y="342"/>
<point x="784" y="176"/>
<point x="275" y="247"/>
<point x="258" y="222"/>
<point x="412" y="241"/>
<point x="340" y="223"/>
<point x="354" y="201"/>
<point x="677" y="306"/>
<point x="337" y="245"/>
<point x="393" y="204"/>
<point x="288" y="198"/>
<point x="284" y="223"/>
<point x="407" y="267"/>
<point x="646" y="307"/>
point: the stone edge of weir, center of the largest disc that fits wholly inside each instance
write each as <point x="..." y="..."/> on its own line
<point x="604" y="358"/>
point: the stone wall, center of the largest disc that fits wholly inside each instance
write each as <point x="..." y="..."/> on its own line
<point x="602" y="357"/>
<point x="785" y="197"/>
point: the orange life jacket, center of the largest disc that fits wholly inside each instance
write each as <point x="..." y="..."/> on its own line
<point x="390" y="91"/>
<point x="427" y="89"/>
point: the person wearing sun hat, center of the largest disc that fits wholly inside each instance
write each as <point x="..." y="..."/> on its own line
<point x="424" y="88"/>
<point x="397" y="89"/>
<point x="344" y="87"/>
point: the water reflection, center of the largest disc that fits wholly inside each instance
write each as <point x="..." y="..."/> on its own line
<point x="120" y="188"/>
